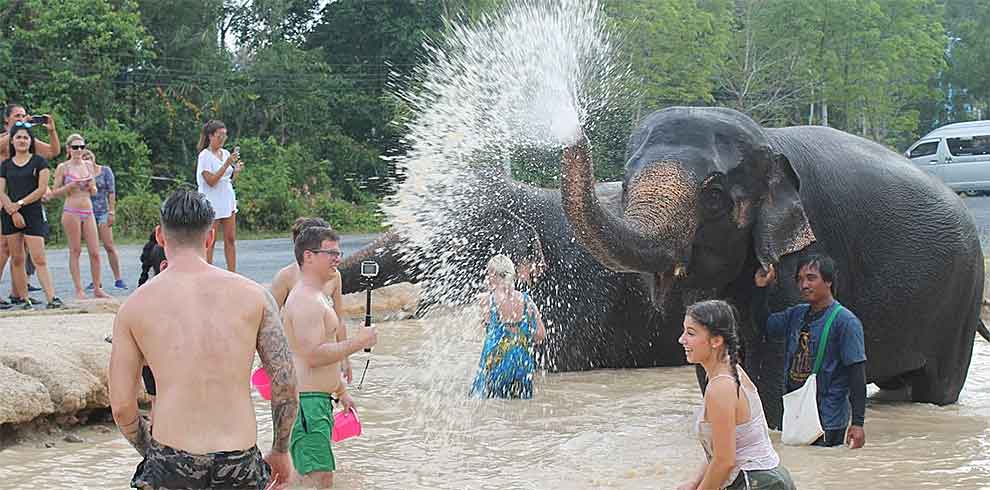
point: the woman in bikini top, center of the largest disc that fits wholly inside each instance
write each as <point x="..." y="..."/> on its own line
<point x="74" y="180"/>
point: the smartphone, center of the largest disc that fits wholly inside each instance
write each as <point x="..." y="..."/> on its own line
<point x="237" y="150"/>
<point x="38" y="120"/>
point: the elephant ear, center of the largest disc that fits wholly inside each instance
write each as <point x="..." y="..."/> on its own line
<point x="781" y="226"/>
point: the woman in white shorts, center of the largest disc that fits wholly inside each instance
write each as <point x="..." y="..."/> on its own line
<point x="216" y="170"/>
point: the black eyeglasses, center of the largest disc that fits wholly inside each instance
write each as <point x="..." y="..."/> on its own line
<point x="78" y="147"/>
<point x="332" y="253"/>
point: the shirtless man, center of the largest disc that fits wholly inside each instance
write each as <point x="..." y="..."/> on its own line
<point x="198" y="327"/>
<point x="287" y="277"/>
<point x="311" y="327"/>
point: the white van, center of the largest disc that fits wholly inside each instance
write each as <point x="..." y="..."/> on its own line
<point x="957" y="153"/>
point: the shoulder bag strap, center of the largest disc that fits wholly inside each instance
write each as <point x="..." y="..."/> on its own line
<point x="823" y="341"/>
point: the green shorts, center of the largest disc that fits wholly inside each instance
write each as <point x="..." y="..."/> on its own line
<point x="310" y="446"/>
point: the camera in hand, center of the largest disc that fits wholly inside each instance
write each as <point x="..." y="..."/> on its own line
<point x="369" y="269"/>
<point x="38" y="120"/>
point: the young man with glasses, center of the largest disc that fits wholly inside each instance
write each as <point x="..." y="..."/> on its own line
<point x="286" y="278"/>
<point x="311" y="330"/>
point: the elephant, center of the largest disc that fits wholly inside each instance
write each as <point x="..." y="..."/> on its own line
<point x="595" y="318"/>
<point x="709" y="196"/>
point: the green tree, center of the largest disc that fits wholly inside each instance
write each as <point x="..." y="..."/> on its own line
<point x="672" y="46"/>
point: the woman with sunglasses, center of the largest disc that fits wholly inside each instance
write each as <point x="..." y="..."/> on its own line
<point x="216" y="169"/>
<point x="74" y="179"/>
<point x="23" y="183"/>
<point x="104" y="206"/>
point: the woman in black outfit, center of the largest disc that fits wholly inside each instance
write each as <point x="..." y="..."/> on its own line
<point x="23" y="182"/>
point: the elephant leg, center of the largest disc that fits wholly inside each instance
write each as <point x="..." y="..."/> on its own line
<point x="766" y="367"/>
<point x="942" y="377"/>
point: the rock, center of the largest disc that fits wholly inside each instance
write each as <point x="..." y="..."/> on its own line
<point x="53" y="365"/>
<point x="391" y="301"/>
<point x="73" y="438"/>
<point x="49" y="444"/>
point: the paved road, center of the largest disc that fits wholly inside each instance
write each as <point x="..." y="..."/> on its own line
<point x="257" y="259"/>
<point x="260" y="259"/>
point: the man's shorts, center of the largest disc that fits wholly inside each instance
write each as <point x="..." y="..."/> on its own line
<point x="166" y="467"/>
<point x="102" y="218"/>
<point x="311" y="432"/>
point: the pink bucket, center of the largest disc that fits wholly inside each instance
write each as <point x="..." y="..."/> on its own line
<point x="346" y="424"/>
<point x="261" y="383"/>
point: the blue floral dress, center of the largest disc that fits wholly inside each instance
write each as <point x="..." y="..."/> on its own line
<point x="506" y="367"/>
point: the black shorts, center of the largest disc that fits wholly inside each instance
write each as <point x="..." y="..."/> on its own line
<point x="34" y="217"/>
<point x="167" y="467"/>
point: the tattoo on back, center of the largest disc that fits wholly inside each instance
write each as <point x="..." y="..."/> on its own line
<point x="277" y="360"/>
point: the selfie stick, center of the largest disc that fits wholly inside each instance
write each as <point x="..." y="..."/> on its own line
<point x="367" y="311"/>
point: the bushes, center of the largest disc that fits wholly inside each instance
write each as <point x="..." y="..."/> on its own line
<point x="347" y="217"/>
<point x="137" y="214"/>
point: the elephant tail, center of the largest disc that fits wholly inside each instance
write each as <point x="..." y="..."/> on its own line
<point x="980" y="327"/>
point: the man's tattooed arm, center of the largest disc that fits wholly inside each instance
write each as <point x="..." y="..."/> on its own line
<point x="277" y="360"/>
<point x="138" y="433"/>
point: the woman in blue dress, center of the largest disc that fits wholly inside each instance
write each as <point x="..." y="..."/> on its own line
<point x="512" y="327"/>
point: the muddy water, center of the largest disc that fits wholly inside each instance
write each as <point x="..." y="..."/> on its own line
<point x="601" y="429"/>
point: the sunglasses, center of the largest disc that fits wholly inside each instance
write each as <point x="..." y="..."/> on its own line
<point x="78" y="147"/>
<point x="332" y="253"/>
<point x="23" y="124"/>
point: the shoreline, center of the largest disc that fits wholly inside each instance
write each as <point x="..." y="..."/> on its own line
<point x="54" y="364"/>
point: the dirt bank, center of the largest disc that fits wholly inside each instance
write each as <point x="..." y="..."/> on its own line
<point x="53" y="365"/>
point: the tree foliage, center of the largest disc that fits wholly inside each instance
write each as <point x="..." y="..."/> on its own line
<point x="305" y="86"/>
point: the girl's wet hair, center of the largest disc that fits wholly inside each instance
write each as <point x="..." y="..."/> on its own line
<point x="719" y="318"/>
<point x="502" y="266"/>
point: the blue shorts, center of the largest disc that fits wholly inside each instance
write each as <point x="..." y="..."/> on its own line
<point x="101" y="218"/>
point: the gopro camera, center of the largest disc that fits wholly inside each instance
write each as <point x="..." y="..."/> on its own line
<point x="369" y="268"/>
<point x="36" y="120"/>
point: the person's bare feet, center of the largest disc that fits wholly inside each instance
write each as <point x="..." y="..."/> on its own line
<point x="100" y="293"/>
<point x="80" y="294"/>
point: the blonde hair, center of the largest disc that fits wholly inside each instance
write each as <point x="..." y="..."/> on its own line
<point x="503" y="268"/>
<point x="72" y="137"/>
<point x="89" y="153"/>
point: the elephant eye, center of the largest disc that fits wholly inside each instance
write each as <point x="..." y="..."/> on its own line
<point x="713" y="198"/>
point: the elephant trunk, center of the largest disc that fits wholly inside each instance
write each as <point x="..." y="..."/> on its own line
<point x="622" y="245"/>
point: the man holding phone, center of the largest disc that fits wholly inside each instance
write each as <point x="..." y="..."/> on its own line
<point x="15" y="113"/>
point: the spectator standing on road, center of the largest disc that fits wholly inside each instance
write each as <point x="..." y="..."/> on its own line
<point x="104" y="208"/>
<point x="216" y="170"/>
<point x="23" y="183"/>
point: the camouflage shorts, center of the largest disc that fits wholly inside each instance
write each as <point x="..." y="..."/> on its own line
<point x="166" y="468"/>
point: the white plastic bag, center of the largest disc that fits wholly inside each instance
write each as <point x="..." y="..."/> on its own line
<point x="801" y="424"/>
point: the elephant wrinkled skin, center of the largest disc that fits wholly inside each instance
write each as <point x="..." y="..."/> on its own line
<point x="708" y="197"/>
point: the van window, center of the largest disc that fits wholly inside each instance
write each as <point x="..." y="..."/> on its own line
<point x="925" y="149"/>
<point x="969" y="145"/>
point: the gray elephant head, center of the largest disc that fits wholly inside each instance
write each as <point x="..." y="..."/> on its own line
<point x="703" y="191"/>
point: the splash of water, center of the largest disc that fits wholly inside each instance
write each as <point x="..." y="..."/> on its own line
<point x="529" y="76"/>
